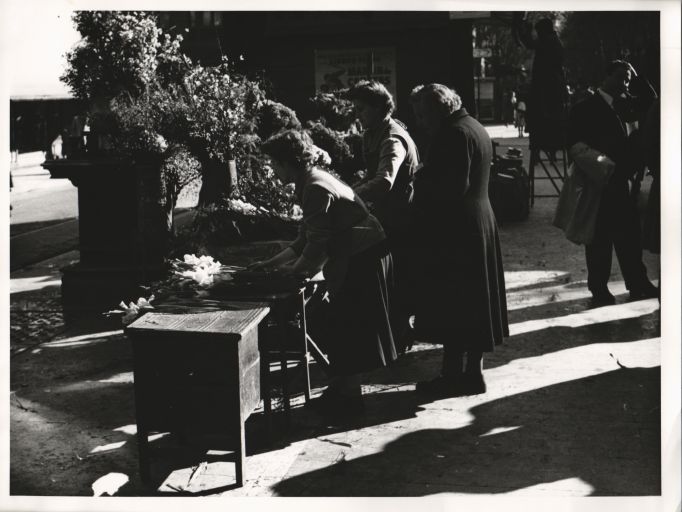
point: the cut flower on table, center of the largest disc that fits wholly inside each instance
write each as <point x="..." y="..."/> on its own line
<point x="131" y="311"/>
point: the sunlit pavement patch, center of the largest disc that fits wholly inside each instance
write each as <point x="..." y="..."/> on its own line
<point x="120" y="378"/>
<point x="108" y="447"/>
<point x="109" y="484"/>
<point x="531" y="279"/>
<point x="499" y="430"/>
<point x="555" y="294"/>
<point x="568" y="487"/>
<point x="84" y="339"/>
<point x="589" y="317"/>
<point x="30" y="284"/>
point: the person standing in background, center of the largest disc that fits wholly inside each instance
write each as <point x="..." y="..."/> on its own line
<point x="598" y="131"/>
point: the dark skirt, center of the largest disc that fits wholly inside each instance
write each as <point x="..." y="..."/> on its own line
<point x="405" y="262"/>
<point x="461" y="295"/>
<point x="354" y="327"/>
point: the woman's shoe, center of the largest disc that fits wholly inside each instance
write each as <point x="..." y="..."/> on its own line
<point x="473" y="384"/>
<point x="440" y="387"/>
<point x="444" y="387"/>
<point x="602" y="298"/>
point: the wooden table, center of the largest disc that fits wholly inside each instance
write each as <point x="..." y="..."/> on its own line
<point x="289" y="305"/>
<point x="197" y="371"/>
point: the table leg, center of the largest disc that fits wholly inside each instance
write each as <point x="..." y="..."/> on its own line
<point x="139" y="387"/>
<point x="143" y="455"/>
<point x="284" y="370"/>
<point x="240" y="449"/>
<point x="306" y="354"/>
<point x="266" y="394"/>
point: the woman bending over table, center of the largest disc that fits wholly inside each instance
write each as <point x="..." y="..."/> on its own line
<point x="340" y="237"/>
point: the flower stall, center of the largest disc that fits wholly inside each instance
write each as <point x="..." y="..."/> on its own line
<point x="157" y="122"/>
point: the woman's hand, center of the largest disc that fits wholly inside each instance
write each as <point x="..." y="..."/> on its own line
<point x="278" y="260"/>
<point x="303" y="267"/>
<point x="259" y="265"/>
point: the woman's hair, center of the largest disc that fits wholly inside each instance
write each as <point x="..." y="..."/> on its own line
<point x="440" y="96"/>
<point x="293" y="147"/>
<point x="374" y="94"/>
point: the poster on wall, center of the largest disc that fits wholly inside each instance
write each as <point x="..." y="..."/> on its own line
<point x="337" y="69"/>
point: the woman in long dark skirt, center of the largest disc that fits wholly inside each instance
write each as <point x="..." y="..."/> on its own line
<point x="391" y="159"/>
<point x="339" y="236"/>
<point x="462" y="294"/>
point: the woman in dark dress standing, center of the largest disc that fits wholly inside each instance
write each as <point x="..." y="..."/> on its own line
<point x="339" y="236"/>
<point x="462" y="302"/>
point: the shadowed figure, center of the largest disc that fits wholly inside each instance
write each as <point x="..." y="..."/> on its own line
<point x="548" y="96"/>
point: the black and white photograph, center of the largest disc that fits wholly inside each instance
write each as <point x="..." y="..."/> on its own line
<point x="340" y="251"/>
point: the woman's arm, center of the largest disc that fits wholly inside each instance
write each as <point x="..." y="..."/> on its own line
<point x="278" y="260"/>
<point x="391" y="157"/>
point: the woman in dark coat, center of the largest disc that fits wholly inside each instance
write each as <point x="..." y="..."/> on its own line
<point x="340" y="237"/>
<point x="462" y="302"/>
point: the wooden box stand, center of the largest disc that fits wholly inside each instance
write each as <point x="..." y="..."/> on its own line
<point x="121" y="233"/>
<point x="197" y="373"/>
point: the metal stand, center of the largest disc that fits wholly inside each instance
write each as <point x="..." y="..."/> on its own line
<point x="553" y="167"/>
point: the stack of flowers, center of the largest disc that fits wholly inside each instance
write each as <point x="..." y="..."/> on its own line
<point x="199" y="270"/>
<point x="191" y="276"/>
<point x="132" y="310"/>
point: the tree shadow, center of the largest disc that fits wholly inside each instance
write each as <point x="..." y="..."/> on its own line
<point x="603" y="430"/>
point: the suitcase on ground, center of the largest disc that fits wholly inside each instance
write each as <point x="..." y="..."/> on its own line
<point x="509" y="191"/>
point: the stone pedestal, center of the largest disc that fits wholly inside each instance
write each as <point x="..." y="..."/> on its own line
<point x="120" y="244"/>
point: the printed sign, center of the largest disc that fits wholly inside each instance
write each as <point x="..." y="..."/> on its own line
<point x="337" y="69"/>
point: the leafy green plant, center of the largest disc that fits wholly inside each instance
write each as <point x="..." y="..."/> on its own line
<point x="335" y="111"/>
<point x="223" y="108"/>
<point x="273" y="117"/>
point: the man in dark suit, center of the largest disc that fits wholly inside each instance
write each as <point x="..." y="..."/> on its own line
<point x="602" y="122"/>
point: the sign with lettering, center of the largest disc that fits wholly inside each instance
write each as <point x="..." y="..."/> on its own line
<point x="337" y="69"/>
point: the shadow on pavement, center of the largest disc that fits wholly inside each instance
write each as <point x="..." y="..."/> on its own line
<point x="543" y="437"/>
<point x="26" y="227"/>
<point x="420" y="364"/>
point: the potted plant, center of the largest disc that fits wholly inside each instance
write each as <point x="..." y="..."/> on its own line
<point x="222" y="112"/>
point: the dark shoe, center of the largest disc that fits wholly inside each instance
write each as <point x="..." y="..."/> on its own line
<point x="648" y="291"/>
<point x="473" y="384"/>
<point x="443" y="387"/>
<point x="600" y="299"/>
<point x="407" y="339"/>
<point x="440" y="387"/>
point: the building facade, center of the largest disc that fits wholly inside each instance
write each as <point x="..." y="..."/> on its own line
<point x="299" y="53"/>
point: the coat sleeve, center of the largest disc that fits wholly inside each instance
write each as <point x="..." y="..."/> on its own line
<point x="596" y="166"/>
